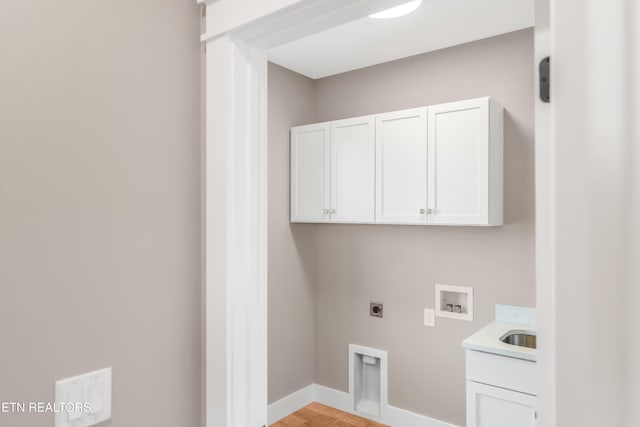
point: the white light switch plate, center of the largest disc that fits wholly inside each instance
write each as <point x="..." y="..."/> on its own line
<point x="84" y="400"/>
<point x="429" y="317"/>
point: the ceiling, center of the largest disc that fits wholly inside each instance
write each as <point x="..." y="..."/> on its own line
<point x="436" y="24"/>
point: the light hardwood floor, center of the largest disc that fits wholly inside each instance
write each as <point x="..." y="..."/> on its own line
<point x="317" y="415"/>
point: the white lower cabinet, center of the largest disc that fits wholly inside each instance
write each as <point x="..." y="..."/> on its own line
<point x="489" y="406"/>
<point x="500" y="391"/>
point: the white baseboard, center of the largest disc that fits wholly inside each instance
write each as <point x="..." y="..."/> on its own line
<point x="291" y="403"/>
<point x="395" y="417"/>
<point x="403" y="418"/>
<point x="334" y="398"/>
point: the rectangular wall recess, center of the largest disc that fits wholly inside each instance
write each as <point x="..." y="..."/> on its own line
<point x="368" y="380"/>
<point x="454" y="302"/>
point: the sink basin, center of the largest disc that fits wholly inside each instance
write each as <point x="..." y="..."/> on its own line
<point x="520" y="338"/>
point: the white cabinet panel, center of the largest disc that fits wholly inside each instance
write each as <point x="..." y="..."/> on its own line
<point x="353" y="170"/>
<point x="465" y="163"/>
<point x="438" y="165"/>
<point x="489" y="406"/>
<point x="310" y="173"/>
<point x="401" y="167"/>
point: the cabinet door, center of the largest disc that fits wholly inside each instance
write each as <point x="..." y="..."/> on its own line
<point x="401" y="167"/>
<point x="489" y="406"/>
<point x="462" y="156"/>
<point x="310" y="177"/>
<point x="353" y="170"/>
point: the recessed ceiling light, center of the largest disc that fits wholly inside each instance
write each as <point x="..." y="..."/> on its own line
<point x="397" y="11"/>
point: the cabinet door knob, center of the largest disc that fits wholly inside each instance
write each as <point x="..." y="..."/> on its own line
<point x="325" y="211"/>
<point x="332" y="211"/>
<point x="422" y="211"/>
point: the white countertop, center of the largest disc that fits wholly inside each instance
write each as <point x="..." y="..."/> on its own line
<point x="487" y="340"/>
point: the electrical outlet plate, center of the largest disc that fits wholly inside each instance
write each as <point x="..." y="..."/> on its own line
<point x="85" y="400"/>
<point x="375" y="309"/>
<point x="429" y="317"/>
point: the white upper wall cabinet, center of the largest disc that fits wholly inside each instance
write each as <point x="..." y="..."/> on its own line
<point x="353" y="170"/>
<point x="333" y="171"/>
<point x="439" y="165"/>
<point x="310" y="173"/>
<point x="465" y="163"/>
<point x="401" y="167"/>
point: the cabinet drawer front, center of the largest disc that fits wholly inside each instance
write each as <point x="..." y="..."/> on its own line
<point x="501" y="371"/>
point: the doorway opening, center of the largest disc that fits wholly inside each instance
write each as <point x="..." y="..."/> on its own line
<point x="304" y="293"/>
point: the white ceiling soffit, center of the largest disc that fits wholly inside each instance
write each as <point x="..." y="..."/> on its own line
<point x="436" y="24"/>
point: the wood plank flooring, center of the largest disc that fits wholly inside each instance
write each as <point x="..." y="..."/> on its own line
<point x="317" y="415"/>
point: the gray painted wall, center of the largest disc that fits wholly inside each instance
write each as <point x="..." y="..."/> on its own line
<point x="100" y="205"/>
<point x="399" y="265"/>
<point x="291" y="250"/>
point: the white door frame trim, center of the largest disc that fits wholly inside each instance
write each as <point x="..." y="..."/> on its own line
<point x="236" y="235"/>
<point x="545" y="229"/>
